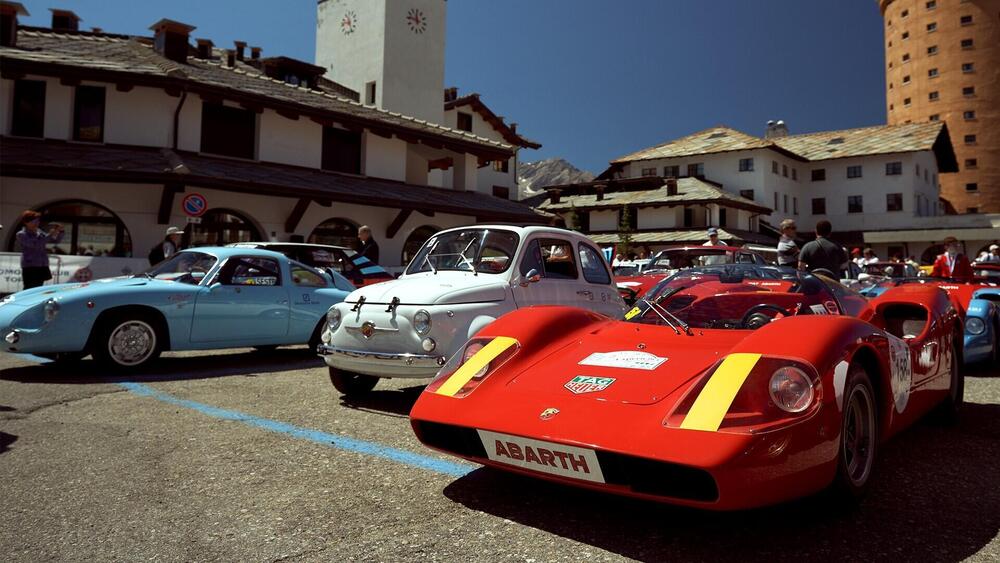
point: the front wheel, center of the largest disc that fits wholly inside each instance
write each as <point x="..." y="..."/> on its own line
<point x="858" y="436"/>
<point x="350" y="383"/>
<point x="947" y="412"/>
<point x="127" y="342"/>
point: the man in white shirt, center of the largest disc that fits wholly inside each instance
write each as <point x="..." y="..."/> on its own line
<point x="713" y="237"/>
<point x="788" y="251"/>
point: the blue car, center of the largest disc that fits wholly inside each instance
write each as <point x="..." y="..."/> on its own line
<point x="982" y="327"/>
<point x="198" y="299"/>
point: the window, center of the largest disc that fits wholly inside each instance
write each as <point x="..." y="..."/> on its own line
<point x="784" y="199"/>
<point x="918" y="170"/>
<point x="934" y="117"/>
<point x="854" y="171"/>
<point x="304" y="276"/>
<point x="784" y="170"/>
<point x="672" y="171"/>
<point x="370" y="93"/>
<point x="501" y="192"/>
<point x="819" y="206"/>
<point x="341" y="150"/>
<point x="746" y="165"/>
<point x="88" y="114"/>
<point x="89" y="230"/>
<point x="464" y="121"/>
<point x="336" y="232"/>
<point x="748" y="194"/>
<point x="594" y="266"/>
<point x="557" y="259"/>
<point x="965" y="20"/>
<point x="932" y="50"/>
<point x="776" y="201"/>
<point x="220" y="227"/>
<point x="855" y="204"/>
<point x="795" y="174"/>
<point x="968" y="91"/>
<point x="28" y="110"/>
<point x="925" y="175"/>
<point x="819" y="175"/>
<point x="906" y="79"/>
<point x="970" y="139"/>
<point x="893" y="168"/>
<point x="972" y="210"/>
<point x="697" y="169"/>
<point x="795" y="205"/>
<point x="227" y="130"/>
<point x="906" y="35"/>
<point x="904" y="13"/>
<point x="932" y="27"/>
<point x="968" y="67"/>
<point x="890" y="107"/>
<point x="968" y="115"/>
<point x="689" y="216"/>
<point x="893" y="202"/>
<point x="931" y="5"/>
<point x="971" y="163"/>
<point x="722" y="216"/>
<point x="967" y="43"/>
<point x="649" y="171"/>
<point x="417" y="238"/>
<point x="906" y="101"/>
<point x="906" y="57"/>
<point x="972" y="187"/>
<point x="502" y="166"/>
<point x="933" y="96"/>
<point x="774" y="166"/>
<point x="250" y="270"/>
<point x="890" y="87"/>
<point x="932" y="73"/>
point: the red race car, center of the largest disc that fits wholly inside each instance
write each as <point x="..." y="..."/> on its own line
<point x="670" y="260"/>
<point x="727" y="387"/>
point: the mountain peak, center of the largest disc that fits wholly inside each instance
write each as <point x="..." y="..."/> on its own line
<point x="532" y="176"/>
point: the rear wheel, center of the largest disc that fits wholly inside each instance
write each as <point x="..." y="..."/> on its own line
<point x="350" y="383"/>
<point x="947" y="412"/>
<point x="127" y="342"/>
<point x="858" y="436"/>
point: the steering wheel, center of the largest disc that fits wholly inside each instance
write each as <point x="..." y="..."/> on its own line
<point x="755" y="317"/>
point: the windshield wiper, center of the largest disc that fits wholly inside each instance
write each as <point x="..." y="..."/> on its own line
<point x="665" y="320"/>
<point x="427" y="261"/>
<point x="466" y="260"/>
<point x="684" y="325"/>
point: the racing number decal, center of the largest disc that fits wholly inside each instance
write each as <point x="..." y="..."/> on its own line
<point x="480" y="360"/>
<point x="901" y="368"/>
<point x="715" y="399"/>
<point x="635" y="311"/>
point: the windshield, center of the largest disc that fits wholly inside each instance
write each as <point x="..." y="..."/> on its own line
<point x="468" y="250"/>
<point x="892" y="270"/>
<point x="186" y="267"/>
<point x="733" y="297"/>
<point x="682" y="258"/>
<point x="993" y="274"/>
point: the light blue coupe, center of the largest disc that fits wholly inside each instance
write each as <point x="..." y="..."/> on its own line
<point x="198" y="299"/>
<point x="982" y="327"/>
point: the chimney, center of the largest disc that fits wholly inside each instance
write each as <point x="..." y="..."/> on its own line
<point x="513" y="127"/>
<point x="671" y="186"/>
<point x="230" y="58"/>
<point x="776" y="130"/>
<point x="450" y="94"/>
<point x="64" y="20"/>
<point x="170" y="39"/>
<point x="240" y="46"/>
<point x="255" y="53"/>
<point x="97" y="30"/>
<point x="554" y="195"/>
<point x="8" y="22"/>
<point x="599" y="190"/>
<point x="205" y="48"/>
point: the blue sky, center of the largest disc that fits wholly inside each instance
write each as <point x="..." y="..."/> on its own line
<point x="593" y="80"/>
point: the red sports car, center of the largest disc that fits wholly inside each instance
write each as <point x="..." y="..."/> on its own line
<point x="726" y="387"/>
<point x="670" y="260"/>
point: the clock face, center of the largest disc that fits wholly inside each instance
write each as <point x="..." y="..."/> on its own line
<point x="416" y="20"/>
<point x="349" y="22"/>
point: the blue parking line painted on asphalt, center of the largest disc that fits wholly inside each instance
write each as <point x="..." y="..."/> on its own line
<point x="340" y="442"/>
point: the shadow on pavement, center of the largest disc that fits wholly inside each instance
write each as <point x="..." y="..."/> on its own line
<point x="6" y="440"/>
<point x="169" y="368"/>
<point x="397" y="402"/>
<point x="934" y="497"/>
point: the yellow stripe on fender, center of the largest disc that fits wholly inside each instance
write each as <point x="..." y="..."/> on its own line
<point x="477" y="362"/>
<point x="718" y="394"/>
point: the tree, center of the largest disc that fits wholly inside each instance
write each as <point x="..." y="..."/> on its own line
<point x="573" y="219"/>
<point x="625" y="231"/>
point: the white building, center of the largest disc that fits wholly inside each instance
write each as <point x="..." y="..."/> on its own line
<point x="108" y="134"/>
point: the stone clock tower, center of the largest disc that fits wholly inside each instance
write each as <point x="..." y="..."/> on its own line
<point x="390" y="51"/>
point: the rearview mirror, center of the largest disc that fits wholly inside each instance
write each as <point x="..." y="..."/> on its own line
<point x="533" y="276"/>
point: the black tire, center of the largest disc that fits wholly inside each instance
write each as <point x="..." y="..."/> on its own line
<point x="127" y="341"/>
<point x="947" y="411"/>
<point x="317" y="336"/>
<point x="858" y="444"/>
<point x="350" y="383"/>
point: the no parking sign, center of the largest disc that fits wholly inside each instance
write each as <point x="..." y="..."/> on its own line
<point x="194" y="205"/>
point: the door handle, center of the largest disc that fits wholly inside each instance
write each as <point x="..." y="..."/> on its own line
<point x="586" y="293"/>
<point x="282" y="302"/>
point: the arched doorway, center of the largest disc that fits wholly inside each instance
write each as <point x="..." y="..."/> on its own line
<point x="90" y="230"/>
<point x="931" y="254"/>
<point x="416" y="239"/>
<point x="336" y="232"/>
<point x="220" y="227"/>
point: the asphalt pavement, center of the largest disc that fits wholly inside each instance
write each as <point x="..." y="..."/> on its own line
<point x="246" y="456"/>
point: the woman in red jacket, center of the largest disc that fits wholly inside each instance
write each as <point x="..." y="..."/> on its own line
<point x="952" y="264"/>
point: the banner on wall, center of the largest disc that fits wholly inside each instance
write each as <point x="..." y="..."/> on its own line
<point x="67" y="269"/>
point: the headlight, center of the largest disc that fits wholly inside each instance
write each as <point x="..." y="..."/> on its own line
<point x="422" y="322"/>
<point x="791" y="390"/>
<point x="471" y="350"/>
<point x="975" y="326"/>
<point x="51" y="310"/>
<point x="333" y="320"/>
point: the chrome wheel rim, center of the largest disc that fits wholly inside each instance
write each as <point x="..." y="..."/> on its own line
<point x="132" y="343"/>
<point x="859" y="435"/>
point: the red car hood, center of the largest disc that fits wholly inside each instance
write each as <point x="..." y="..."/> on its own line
<point x="612" y="367"/>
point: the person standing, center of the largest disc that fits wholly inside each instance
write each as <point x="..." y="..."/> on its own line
<point x="34" y="256"/>
<point x="366" y="245"/>
<point x="713" y="237"/>
<point x="869" y="257"/>
<point x="991" y="256"/>
<point x="952" y="264"/>
<point x="169" y="246"/>
<point x="788" y="250"/>
<point x="822" y="253"/>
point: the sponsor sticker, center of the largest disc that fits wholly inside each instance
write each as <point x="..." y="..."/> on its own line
<point x="901" y="368"/>
<point x="818" y="309"/>
<point x="635" y="311"/>
<point x="588" y="384"/>
<point x="626" y="359"/>
<point x="546" y="457"/>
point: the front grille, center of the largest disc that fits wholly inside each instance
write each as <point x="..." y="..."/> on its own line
<point x="646" y="476"/>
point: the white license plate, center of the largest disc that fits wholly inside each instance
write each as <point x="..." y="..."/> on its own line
<point x="556" y="459"/>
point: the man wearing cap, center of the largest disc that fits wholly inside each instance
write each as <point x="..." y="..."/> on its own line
<point x="169" y="246"/>
<point x="991" y="256"/>
<point x="952" y="264"/>
<point x="788" y="251"/>
<point x="713" y="240"/>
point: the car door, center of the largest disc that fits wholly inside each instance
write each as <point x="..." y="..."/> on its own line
<point x="307" y="302"/>
<point x="553" y="258"/>
<point x="598" y="294"/>
<point x="246" y="302"/>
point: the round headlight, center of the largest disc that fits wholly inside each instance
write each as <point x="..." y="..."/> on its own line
<point x="422" y="322"/>
<point x="428" y="344"/>
<point x="791" y="390"/>
<point x="975" y="326"/>
<point x="51" y="310"/>
<point x="333" y="320"/>
<point x="472" y="350"/>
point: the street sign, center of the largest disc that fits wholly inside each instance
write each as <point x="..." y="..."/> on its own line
<point x="194" y="220"/>
<point x="194" y="205"/>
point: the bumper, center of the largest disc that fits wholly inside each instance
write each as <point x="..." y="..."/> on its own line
<point x="381" y="364"/>
<point x="977" y="347"/>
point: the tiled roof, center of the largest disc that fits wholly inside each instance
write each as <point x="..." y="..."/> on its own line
<point x="881" y="139"/>
<point x="42" y="51"/>
<point x="508" y="131"/>
<point x="714" y="140"/>
<point x="155" y="166"/>
<point x="699" y="236"/>
<point x="689" y="190"/>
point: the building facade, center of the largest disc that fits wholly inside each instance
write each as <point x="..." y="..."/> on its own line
<point x="942" y="63"/>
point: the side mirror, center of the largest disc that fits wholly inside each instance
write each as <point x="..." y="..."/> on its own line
<point x="214" y="286"/>
<point x="533" y="276"/>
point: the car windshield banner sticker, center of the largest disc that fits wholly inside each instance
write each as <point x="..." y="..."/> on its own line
<point x="588" y="384"/>
<point x="900" y="364"/>
<point x="624" y="359"/>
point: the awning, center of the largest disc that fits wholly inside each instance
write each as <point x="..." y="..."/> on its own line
<point x="685" y="236"/>
<point x="932" y="235"/>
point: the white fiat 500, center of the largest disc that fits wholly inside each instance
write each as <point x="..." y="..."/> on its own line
<point x="460" y="281"/>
